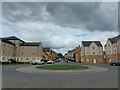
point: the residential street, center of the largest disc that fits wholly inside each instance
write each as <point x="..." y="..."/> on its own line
<point x="15" y="79"/>
<point x="66" y="44"/>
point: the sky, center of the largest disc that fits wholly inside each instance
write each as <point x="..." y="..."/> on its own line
<point x="60" y="25"/>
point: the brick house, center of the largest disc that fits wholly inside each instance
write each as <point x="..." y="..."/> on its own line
<point x="70" y="55"/>
<point x="112" y="48"/>
<point x="74" y="54"/>
<point x="15" y="48"/>
<point x="46" y="53"/>
<point x="78" y="54"/>
<point x="91" y="52"/>
<point x="49" y="54"/>
<point x="54" y="55"/>
<point x="7" y="49"/>
<point x="30" y="51"/>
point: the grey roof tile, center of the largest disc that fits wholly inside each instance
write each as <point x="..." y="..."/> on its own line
<point x="87" y="43"/>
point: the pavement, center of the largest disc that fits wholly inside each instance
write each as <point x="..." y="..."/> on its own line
<point x="11" y="78"/>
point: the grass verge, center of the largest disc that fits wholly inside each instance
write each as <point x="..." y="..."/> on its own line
<point x="62" y="67"/>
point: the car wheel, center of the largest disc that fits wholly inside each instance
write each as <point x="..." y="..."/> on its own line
<point x="114" y="64"/>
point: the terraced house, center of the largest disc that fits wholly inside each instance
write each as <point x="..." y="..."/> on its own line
<point x="7" y="49"/>
<point x="74" y="54"/>
<point x="78" y="54"/>
<point x="49" y="54"/>
<point x="112" y="49"/>
<point x="91" y="52"/>
<point x="70" y="55"/>
<point x="15" y="48"/>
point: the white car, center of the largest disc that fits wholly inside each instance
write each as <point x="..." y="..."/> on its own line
<point x="37" y="62"/>
<point x="50" y="62"/>
<point x="41" y="62"/>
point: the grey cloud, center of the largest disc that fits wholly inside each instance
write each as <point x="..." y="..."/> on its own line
<point x="23" y="11"/>
<point x="90" y="16"/>
<point x="58" y="25"/>
<point x="87" y="15"/>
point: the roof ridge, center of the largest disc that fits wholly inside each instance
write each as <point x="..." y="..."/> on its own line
<point x="87" y="43"/>
<point x="13" y="38"/>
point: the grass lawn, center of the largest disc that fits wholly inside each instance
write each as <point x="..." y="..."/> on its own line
<point x="62" y="67"/>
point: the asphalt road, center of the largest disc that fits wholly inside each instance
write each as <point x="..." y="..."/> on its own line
<point x="14" y="79"/>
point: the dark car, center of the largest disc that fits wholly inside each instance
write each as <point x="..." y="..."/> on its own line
<point x="57" y="60"/>
<point x="115" y="63"/>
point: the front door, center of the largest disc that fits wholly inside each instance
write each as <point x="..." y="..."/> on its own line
<point x="94" y="60"/>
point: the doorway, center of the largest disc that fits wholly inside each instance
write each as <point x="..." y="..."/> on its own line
<point x="94" y="60"/>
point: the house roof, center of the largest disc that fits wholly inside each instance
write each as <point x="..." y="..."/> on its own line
<point x="30" y="44"/>
<point x="70" y="51"/>
<point x="6" y="41"/>
<point x="114" y="39"/>
<point x="54" y="52"/>
<point x="87" y="43"/>
<point x="13" y="38"/>
<point x="105" y="45"/>
<point x="46" y="49"/>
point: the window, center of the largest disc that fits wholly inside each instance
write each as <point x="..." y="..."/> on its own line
<point x="114" y="45"/>
<point x="100" y="52"/>
<point x="109" y="46"/>
<point x="93" y="53"/>
<point x="3" y="58"/>
<point x="86" y="53"/>
<point x="4" y="44"/>
<point x="3" y="51"/>
<point x="33" y="53"/>
<point x="93" y="47"/>
<point x="27" y="58"/>
<point x="22" y="53"/>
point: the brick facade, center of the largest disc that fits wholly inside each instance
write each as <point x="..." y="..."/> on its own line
<point x="112" y="49"/>
<point x="15" y="48"/>
<point x="78" y="54"/>
<point x="91" y="52"/>
<point x="92" y="59"/>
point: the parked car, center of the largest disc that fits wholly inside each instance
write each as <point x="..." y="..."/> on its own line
<point x="12" y="60"/>
<point x="41" y="62"/>
<point x="115" y="63"/>
<point x="44" y="60"/>
<point x="37" y="62"/>
<point x="50" y="62"/>
<point x="57" y="60"/>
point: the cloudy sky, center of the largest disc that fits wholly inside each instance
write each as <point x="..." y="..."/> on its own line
<point x="60" y="25"/>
